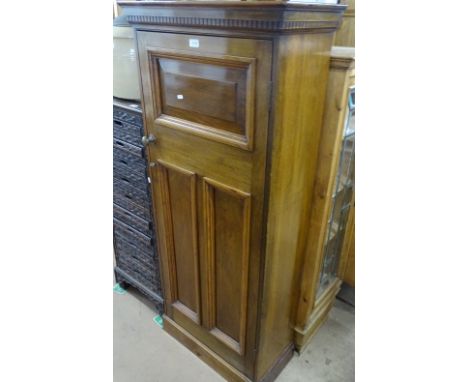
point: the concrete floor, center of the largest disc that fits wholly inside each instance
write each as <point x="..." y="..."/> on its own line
<point x="143" y="352"/>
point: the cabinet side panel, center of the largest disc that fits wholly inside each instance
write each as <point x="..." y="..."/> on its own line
<point x="330" y="146"/>
<point x="301" y="67"/>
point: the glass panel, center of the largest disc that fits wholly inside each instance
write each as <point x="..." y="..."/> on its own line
<point x="341" y="201"/>
<point x="352" y="108"/>
<point x="350" y="126"/>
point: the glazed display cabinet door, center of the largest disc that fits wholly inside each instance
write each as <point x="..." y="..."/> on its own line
<point x="206" y="103"/>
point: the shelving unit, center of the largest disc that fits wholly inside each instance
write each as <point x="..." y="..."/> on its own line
<point x="137" y="260"/>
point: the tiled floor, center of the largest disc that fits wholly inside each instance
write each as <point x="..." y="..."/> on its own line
<point x="143" y="352"/>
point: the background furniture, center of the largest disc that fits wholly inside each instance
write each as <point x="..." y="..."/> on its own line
<point x="345" y="35"/>
<point x="137" y="261"/>
<point x="233" y="114"/>
<point x="333" y="198"/>
<point x="125" y="81"/>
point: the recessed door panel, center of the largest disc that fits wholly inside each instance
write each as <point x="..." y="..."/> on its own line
<point x="204" y="94"/>
<point x="227" y="218"/>
<point x="177" y="194"/>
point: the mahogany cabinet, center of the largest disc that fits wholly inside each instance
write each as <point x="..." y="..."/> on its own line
<point x="233" y="95"/>
<point x="331" y="229"/>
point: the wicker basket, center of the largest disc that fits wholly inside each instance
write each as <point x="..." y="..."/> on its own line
<point x="144" y="226"/>
<point x="137" y="261"/>
<point x="136" y="179"/>
<point x="136" y="209"/>
<point x="139" y="240"/>
<point x="127" y="132"/>
<point x="136" y="195"/>
<point x="132" y="162"/>
<point x="126" y="249"/>
<point x="125" y="116"/>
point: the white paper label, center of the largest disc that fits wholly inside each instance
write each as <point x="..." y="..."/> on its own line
<point x="194" y="43"/>
<point x="180" y="96"/>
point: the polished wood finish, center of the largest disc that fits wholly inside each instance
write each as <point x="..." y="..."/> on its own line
<point x="310" y="311"/>
<point x="298" y="101"/>
<point x="208" y="95"/>
<point x="237" y="113"/>
<point x="227" y="218"/>
<point x="179" y="221"/>
<point x="204" y="352"/>
<point x="345" y="35"/>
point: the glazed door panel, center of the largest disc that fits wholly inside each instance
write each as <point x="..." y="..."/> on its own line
<point x="206" y="102"/>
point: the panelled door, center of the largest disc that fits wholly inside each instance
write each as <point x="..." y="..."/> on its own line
<point x="206" y="102"/>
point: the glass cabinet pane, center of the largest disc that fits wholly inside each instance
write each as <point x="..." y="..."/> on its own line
<point x="341" y="201"/>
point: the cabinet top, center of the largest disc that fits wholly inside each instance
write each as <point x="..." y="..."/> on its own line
<point x="304" y="4"/>
<point x="342" y="57"/>
<point x="255" y="15"/>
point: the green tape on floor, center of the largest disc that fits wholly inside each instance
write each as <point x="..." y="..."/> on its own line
<point x="158" y="320"/>
<point x="118" y="289"/>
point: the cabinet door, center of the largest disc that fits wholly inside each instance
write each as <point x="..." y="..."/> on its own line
<point x="206" y="102"/>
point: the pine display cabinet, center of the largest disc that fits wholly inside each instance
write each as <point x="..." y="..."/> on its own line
<point x="331" y="229"/>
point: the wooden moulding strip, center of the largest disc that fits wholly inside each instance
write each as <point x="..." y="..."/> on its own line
<point x="279" y="365"/>
<point x="203" y="352"/>
<point x="317" y="317"/>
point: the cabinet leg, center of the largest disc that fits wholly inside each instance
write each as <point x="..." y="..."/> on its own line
<point x="125" y="285"/>
<point x="121" y="281"/>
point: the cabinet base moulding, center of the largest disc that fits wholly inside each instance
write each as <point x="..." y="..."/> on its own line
<point x="213" y="360"/>
<point x="319" y="315"/>
<point x="203" y="352"/>
<point x="279" y="365"/>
